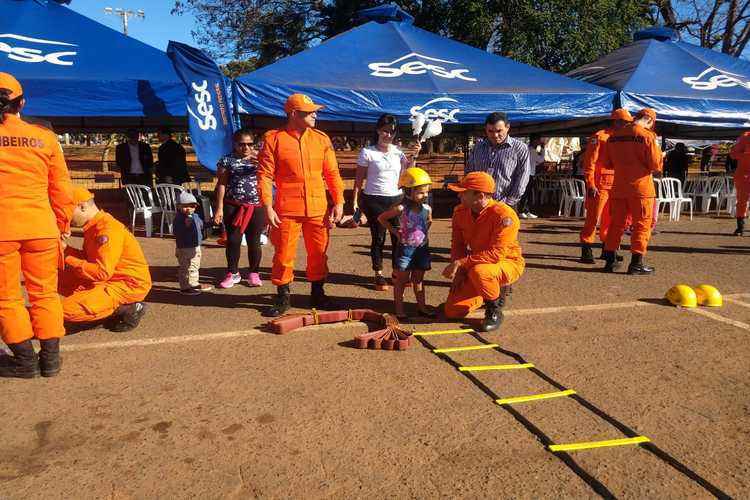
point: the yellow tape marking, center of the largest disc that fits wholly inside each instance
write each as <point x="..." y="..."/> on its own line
<point x="599" y="444"/>
<point x="467" y="348"/>
<point x="534" y="397"/>
<point x="442" y="332"/>
<point x="495" y="367"/>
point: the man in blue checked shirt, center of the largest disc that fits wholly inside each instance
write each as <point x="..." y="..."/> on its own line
<point x="506" y="159"/>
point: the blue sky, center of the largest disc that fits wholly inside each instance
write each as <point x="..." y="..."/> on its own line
<point x="156" y="29"/>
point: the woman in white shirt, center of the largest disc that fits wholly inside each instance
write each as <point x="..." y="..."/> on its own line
<point x="379" y="167"/>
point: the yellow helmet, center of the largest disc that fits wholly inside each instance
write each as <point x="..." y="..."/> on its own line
<point x="708" y="295"/>
<point x="413" y="177"/>
<point x="682" y="295"/>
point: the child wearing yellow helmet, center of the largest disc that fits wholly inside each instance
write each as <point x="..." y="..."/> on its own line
<point x="412" y="253"/>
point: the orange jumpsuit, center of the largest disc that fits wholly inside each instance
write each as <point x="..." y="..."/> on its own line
<point x="634" y="154"/>
<point x="36" y="204"/>
<point x="597" y="176"/>
<point x="110" y="271"/>
<point x="487" y="248"/>
<point x="300" y="166"/>
<point x="741" y="153"/>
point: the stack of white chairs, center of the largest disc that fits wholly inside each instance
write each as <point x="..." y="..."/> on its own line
<point x="671" y="190"/>
<point x="726" y="191"/>
<point x="142" y="200"/>
<point x="169" y="196"/>
<point x="545" y="187"/>
<point x="572" y="199"/>
<point x="707" y="189"/>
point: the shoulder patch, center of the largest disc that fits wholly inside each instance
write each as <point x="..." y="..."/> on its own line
<point x="507" y="222"/>
<point x="594" y="140"/>
<point x="103" y="239"/>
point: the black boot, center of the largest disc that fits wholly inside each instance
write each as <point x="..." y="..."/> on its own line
<point x="493" y="316"/>
<point x="23" y="364"/>
<point x="587" y="256"/>
<point x="740" y="226"/>
<point x="49" y="357"/>
<point x="603" y="256"/>
<point x="505" y="291"/>
<point x="611" y="263"/>
<point x="127" y="317"/>
<point x="637" y="266"/>
<point x="318" y="297"/>
<point x="281" y="304"/>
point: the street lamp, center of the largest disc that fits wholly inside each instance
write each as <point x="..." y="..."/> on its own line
<point x="125" y="14"/>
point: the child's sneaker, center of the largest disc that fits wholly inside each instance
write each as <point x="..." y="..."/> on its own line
<point x="253" y="279"/>
<point x="203" y="287"/>
<point x="190" y="291"/>
<point x="230" y="280"/>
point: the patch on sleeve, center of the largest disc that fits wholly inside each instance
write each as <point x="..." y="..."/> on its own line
<point x="594" y="140"/>
<point x="507" y="222"/>
<point x="103" y="239"/>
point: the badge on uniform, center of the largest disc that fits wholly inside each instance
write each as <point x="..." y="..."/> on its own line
<point x="594" y="140"/>
<point x="507" y="221"/>
<point x="102" y="239"/>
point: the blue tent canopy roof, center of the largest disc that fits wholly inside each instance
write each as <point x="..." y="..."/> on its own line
<point x="72" y="66"/>
<point x="690" y="87"/>
<point x="395" y="67"/>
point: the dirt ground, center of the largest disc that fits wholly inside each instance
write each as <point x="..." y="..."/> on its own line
<point x="201" y="402"/>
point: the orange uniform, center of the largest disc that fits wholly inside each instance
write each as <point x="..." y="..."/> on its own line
<point x="300" y="166"/>
<point x="741" y="153"/>
<point x="599" y="176"/>
<point x="634" y="154"/>
<point x="486" y="245"/>
<point x="110" y="271"/>
<point x="36" y="203"/>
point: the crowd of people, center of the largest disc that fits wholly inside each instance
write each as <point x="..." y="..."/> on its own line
<point x="292" y="185"/>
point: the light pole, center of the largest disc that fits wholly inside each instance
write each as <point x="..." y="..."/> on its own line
<point x="125" y="14"/>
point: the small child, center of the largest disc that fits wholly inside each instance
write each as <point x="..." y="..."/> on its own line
<point x="188" y="232"/>
<point x="413" y="250"/>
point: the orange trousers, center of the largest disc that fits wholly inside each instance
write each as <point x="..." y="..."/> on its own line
<point x="38" y="261"/>
<point x="641" y="210"/>
<point x="743" y="196"/>
<point x="284" y="239"/>
<point x="482" y="283"/>
<point x="597" y="210"/>
<point x="84" y="302"/>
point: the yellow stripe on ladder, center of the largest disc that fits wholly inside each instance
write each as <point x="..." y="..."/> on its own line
<point x="467" y="348"/>
<point x="534" y="397"/>
<point x="516" y="366"/>
<point x="599" y="444"/>
<point x="442" y="332"/>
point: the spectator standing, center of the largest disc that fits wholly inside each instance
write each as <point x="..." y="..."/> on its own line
<point x="134" y="160"/>
<point x="536" y="161"/>
<point x="172" y="167"/>
<point x="676" y="162"/>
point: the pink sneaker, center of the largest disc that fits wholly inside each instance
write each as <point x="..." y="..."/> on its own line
<point x="253" y="279"/>
<point x="230" y="280"/>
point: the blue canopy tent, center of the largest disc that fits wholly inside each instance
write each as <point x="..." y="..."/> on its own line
<point x="80" y="74"/>
<point x="390" y="66"/>
<point x="696" y="92"/>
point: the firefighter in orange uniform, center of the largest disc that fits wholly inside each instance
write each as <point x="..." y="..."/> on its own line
<point x="300" y="161"/>
<point x="598" y="184"/>
<point x="36" y="203"/>
<point x="485" y="254"/>
<point x="634" y="155"/>
<point x="109" y="278"/>
<point x="741" y="153"/>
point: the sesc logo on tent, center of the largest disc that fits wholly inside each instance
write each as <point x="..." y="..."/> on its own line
<point x="432" y="111"/>
<point x="202" y="98"/>
<point x="22" y="49"/>
<point x="417" y="64"/>
<point x="713" y="78"/>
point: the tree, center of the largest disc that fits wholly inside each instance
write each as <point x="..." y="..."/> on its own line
<point x="715" y="24"/>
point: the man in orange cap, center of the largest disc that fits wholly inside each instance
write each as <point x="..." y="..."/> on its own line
<point x="634" y="154"/>
<point x="299" y="160"/>
<point x="36" y="204"/>
<point x="485" y="254"/>
<point x="109" y="277"/>
<point x="741" y="153"/>
<point x="598" y="184"/>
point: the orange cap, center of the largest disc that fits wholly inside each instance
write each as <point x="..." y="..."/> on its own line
<point x="475" y="181"/>
<point x="300" y="102"/>
<point x="9" y="82"/>
<point x="81" y="194"/>
<point x="646" y="112"/>
<point x="621" y="114"/>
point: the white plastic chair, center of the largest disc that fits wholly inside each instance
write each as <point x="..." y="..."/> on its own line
<point x="732" y="202"/>
<point x="726" y="191"/>
<point x="673" y="188"/>
<point x="169" y="196"/>
<point x="142" y="201"/>
<point x="573" y="197"/>
<point x="707" y="189"/>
